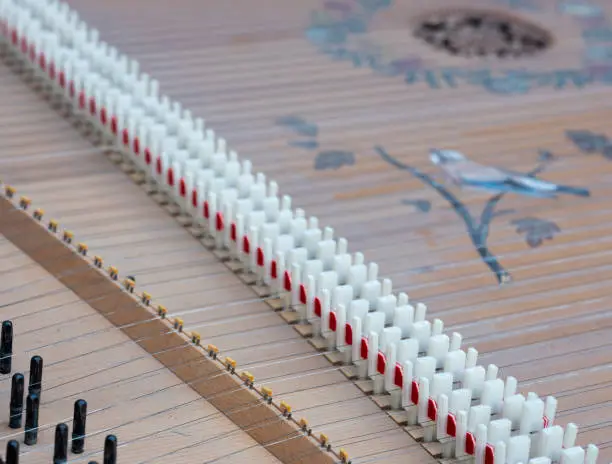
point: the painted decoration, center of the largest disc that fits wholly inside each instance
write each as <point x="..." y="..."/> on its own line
<point x="339" y="29"/>
<point x="459" y="171"/>
<point x="330" y="159"/>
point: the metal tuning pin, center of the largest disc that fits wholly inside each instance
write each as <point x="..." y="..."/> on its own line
<point x="110" y="450"/>
<point x="36" y="373"/>
<point x="12" y="452"/>
<point x="16" y="405"/>
<point x="6" y="347"/>
<point x="60" y="450"/>
<point x="31" y="420"/>
<point x="78" y="426"/>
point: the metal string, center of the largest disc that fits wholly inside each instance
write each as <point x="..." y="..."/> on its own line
<point x="277" y="442"/>
<point x="289" y="360"/>
<point x="279" y="325"/>
<point x="416" y="287"/>
<point x="377" y="249"/>
<point x="426" y="284"/>
<point x="199" y="398"/>
<point x="434" y="284"/>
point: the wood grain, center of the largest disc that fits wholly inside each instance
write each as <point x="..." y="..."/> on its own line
<point x="117" y="220"/>
<point x="129" y="393"/>
<point x="188" y="363"/>
<point x="241" y="72"/>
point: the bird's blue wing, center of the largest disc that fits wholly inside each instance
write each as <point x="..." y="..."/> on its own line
<point x="530" y="182"/>
<point x="509" y="185"/>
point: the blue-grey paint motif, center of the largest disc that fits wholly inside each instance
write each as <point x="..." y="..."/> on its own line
<point x="332" y="28"/>
<point x="423" y="206"/>
<point x="591" y="143"/>
<point x="580" y="9"/>
<point x="325" y="159"/>
<point x="545" y="155"/>
<point x="465" y="173"/>
<point x="536" y="230"/>
<point x="334" y="159"/>
<point x="299" y="125"/>
<point x="478" y="226"/>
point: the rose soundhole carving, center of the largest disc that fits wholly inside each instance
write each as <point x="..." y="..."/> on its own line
<point x="482" y="34"/>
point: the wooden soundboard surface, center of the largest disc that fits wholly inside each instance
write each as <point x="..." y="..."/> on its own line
<point x="90" y="196"/>
<point x="128" y="392"/>
<point x="257" y="72"/>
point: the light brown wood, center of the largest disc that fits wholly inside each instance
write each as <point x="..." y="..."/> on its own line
<point x="187" y="362"/>
<point x="129" y="393"/>
<point x="182" y="275"/>
<point x="242" y="71"/>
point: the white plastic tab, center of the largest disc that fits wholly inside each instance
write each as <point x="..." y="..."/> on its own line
<point x="407" y="350"/>
<point x="437" y="348"/>
<point x="479" y="414"/>
<point x="518" y="449"/>
<point x="573" y="455"/>
<point x="374" y="322"/>
<point x="389" y="335"/>
<point x="499" y="430"/>
<point x="422" y="332"/>
<point x="403" y="318"/>
<point x="531" y="418"/>
<point x="425" y="367"/>
<point x="441" y="384"/>
<point x="493" y="394"/>
<point x="442" y="416"/>
<point x="474" y="378"/>
<point x="460" y="400"/>
<point x="550" y="443"/>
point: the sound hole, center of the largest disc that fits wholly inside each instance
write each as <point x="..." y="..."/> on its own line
<point x="482" y="34"/>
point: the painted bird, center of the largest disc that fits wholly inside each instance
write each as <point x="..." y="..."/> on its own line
<point x="465" y="173"/>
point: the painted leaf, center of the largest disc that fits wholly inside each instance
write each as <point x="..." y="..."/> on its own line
<point x="588" y="142"/>
<point x="299" y="125"/>
<point x="536" y="230"/>
<point x="545" y="155"/>
<point x="423" y="206"/>
<point x="334" y="159"/>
